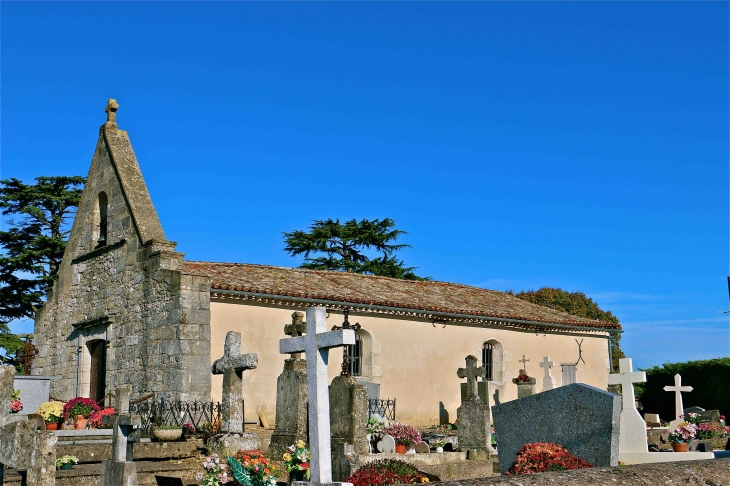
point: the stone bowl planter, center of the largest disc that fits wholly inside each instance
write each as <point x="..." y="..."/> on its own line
<point x="167" y="435"/>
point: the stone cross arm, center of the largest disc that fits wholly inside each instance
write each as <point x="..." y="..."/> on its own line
<point x="126" y="420"/>
<point x="471" y="373"/>
<point x="239" y="363"/>
<point x="325" y="340"/>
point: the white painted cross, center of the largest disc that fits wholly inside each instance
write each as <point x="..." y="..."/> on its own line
<point x="316" y="345"/>
<point x="678" y="389"/>
<point x="632" y="429"/>
<point x="548" y="382"/>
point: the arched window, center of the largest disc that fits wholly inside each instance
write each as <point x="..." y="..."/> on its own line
<point x="488" y="361"/>
<point x="354" y="355"/>
<point x="102" y="219"/>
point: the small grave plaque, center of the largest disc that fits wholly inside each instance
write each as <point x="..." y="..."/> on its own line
<point x="387" y="444"/>
<point x="422" y="448"/>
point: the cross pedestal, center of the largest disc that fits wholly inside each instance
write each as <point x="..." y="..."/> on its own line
<point x="548" y="381"/>
<point x="632" y="428"/>
<point x="678" y="389"/>
<point x="120" y="471"/>
<point x="316" y="345"/>
<point x="231" y="366"/>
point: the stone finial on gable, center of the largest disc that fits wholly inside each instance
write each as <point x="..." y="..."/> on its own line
<point x="111" y="111"/>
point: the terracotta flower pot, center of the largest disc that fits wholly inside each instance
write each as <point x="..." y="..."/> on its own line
<point x="400" y="449"/>
<point x="52" y="426"/>
<point x="80" y="423"/>
<point x="679" y="447"/>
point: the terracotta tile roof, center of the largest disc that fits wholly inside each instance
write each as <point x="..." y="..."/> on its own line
<point x="383" y="291"/>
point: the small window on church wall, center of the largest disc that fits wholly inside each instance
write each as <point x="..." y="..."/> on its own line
<point x="354" y="354"/>
<point x="102" y="220"/>
<point x="488" y="361"/>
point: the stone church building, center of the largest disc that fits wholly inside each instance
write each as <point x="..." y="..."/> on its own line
<point x="127" y="308"/>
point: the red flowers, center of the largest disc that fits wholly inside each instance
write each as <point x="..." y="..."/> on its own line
<point x="80" y="406"/>
<point x="545" y="456"/>
<point x="386" y="471"/>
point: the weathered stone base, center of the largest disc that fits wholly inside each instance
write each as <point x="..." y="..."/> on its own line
<point x="118" y="473"/>
<point x="291" y="407"/>
<point x="228" y="444"/>
<point x="654" y="457"/>
<point x="474" y="428"/>
<point x="96" y="451"/>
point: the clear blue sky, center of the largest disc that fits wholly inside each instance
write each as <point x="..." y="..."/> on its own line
<point x="581" y="145"/>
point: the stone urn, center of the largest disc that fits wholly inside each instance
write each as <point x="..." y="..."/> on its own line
<point x="167" y="435"/>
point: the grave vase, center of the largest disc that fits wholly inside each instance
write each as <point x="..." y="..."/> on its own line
<point x="80" y="422"/>
<point x="679" y="447"/>
<point x="439" y="449"/>
<point x="296" y="475"/>
<point x="66" y="466"/>
<point x="400" y="449"/>
<point x="52" y="426"/>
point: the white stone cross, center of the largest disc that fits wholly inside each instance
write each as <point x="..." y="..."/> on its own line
<point x="316" y="345"/>
<point x="548" y="382"/>
<point x="632" y="429"/>
<point x="678" y="389"/>
<point x="471" y="373"/>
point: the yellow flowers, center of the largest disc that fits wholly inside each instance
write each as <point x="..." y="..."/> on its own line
<point x="287" y="457"/>
<point x="300" y="444"/>
<point x="51" y="411"/>
<point x="424" y="480"/>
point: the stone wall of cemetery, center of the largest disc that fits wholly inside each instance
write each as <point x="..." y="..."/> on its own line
<point x="414" y="361"/>
<point x="129" y="292"/>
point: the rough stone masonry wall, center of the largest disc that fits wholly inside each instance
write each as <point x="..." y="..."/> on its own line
<point x="712" y="472"/>
<point x="130" y="292"/>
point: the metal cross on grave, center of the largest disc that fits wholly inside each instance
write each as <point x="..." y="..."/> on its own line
<point x="678" y="389"/>
<point x="524" y="362"/>
<point x="231" y="366"/>
<point x="316" y="345"/>
<point x="471" y="373"/>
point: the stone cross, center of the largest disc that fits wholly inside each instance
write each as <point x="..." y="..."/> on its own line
<point x="111" y="111"/>
<point x="548" y="382"/>
<point x="119" y="471"/>
<point x="297" y="328"/>
<point x="471" y="373"/>
<point x="316" y="345"/>
<point x="231" y="366"/>
<point x="678" y="389"/>
<point x="632" y="429"/>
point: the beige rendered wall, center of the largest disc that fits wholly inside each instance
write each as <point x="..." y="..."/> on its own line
<point x="414" y="361"/>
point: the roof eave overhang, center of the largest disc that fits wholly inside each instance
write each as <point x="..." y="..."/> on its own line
<point x="447" y="317"/>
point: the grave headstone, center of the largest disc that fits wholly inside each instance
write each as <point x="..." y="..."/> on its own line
<point x="548" y="381"/>
<point x="652" y="419"/>
<point x="34" y="390"/>
<point x="677" y="389"/>
<point x="232" y="437"/>
<point x="633" y="427"/>
<point x="570" y="374"/>
<point x="291" y="396"/>
<point x="422" y="448"/>
<point x="118" y="471"/>
<point x="316" y="345"/>
<point x="581" y="418"/>
<point x="387" y="444"/>
<point x="525" y="387"/>
<point x="30" y="451"/>
<point x="693" y="410"/>
<point x="473" y="415"/>
<point x="348" y="423"/>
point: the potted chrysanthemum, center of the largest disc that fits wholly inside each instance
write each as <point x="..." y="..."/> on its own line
<point x="682" y="436"/>
<point x="52" y="413"/>
<point x="405" y="436"/>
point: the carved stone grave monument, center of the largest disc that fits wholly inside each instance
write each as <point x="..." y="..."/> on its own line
<point x="118" y="471"/>
<point x="473" y="415"/>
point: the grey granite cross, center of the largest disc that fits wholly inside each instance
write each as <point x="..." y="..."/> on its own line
<point x="471" y="373"/>
<point x="297" y="328"/>
<point x="316" y="345"/>
<point x="120" y="471"/>
<point x="231" y="366"/>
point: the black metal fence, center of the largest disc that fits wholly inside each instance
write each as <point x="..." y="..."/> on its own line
<point x="384" y="407"/>
<point x="175" y="412"/>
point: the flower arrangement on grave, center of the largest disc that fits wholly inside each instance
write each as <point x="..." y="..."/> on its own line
<point x="377" y="426"/>
<point x="438" y="443"/>
<point x="522" y="378"/>
<point x="189" y="430"/>
<point x="214" y="472"/>
<point x="545" y="456"/>
<point x="386" y="471"/>
<point x="403" y="434"/>
<point x="52" y="412"/>
<point x="66" y="462"/>
<point x="252" y="468"/>
<point x="80" y="406"/>
<point x="296" y="460"/>
<point x="95" y="418"/>
<point x="706" y="430"/>
<point x="685" y="433"/>
<point x="15" y="404"/>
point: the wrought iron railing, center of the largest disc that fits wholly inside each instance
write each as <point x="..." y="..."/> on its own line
<point x="175" y="412"/>
<point x="384" y="407"/>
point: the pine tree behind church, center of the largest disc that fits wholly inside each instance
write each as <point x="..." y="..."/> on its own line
<point x="32" y="246"/>
<point x="331" y="245"/>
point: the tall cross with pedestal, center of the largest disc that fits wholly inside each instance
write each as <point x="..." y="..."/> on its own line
<point x="471" y="373"/>
<point x="632" y="429"/>
<point x="316" y="345"/>
<point x="120" y="470"/>
<point x="678" y="389"/>
<point x="548" y="382"/>
<point x="231" y="366"/>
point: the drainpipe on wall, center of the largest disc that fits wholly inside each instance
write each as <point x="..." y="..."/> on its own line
<point x="78" y="366"/>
